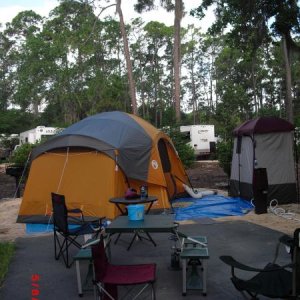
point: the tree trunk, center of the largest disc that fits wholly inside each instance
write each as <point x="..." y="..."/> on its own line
<point x="288" y="81"/>
<point x="143" y="97"/>
<point x="194" y="99"/>
<point x="211" y="105"/>
<point x="253" y="78"/>
<point x="127" y="58"/>
<point x="177" y="57"/>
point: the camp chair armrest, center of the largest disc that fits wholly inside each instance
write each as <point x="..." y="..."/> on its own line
<point x="97" y="225"/>
<point x="90" y="242"/>
<point x="76" y="220"/>
<point x="98" y="222"/>
<point x="75" y="210"/>
<point x="235" y="264"/>
<point x="94" y="241"/>
<point x="229" y="260"/>
<point x="286" y="240"/>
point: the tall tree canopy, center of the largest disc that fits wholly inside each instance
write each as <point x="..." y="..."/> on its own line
<point x="178" y="8"/>
<point x="250" y="27"/>
<point x="59" y="69"/>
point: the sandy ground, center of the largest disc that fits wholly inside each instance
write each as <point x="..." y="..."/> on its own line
<point x="10" y="230"/>
<point x="285" y="218"/>
<point x="205" y="174"/>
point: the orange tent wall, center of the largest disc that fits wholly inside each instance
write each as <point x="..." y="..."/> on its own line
<point x="87" y="179"/>
<point x="80" y="176"/>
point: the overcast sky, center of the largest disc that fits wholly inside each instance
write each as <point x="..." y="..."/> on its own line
<point x="10" y="8"/>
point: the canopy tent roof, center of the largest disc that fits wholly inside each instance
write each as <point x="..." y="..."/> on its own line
<point x="263" y="125"/>
<point x="126" y="138"/>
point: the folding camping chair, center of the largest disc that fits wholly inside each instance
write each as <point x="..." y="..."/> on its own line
<point x="272" y="281"/>
<point x="61" y="217"/>
<point x="108" y="277"/>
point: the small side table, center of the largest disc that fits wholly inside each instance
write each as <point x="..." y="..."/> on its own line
<point x="84" y="255"/>
<point x="123" y="201"/>
<point x="193" y="256"/>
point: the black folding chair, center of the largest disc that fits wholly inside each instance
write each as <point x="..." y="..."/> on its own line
<point x="273" y="281"/>
<point x="64" y="236"/>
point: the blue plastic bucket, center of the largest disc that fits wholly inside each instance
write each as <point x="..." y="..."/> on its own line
<point x="136" y="212"/>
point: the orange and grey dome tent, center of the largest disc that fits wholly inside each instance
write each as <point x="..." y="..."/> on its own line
<point x="98" y="158"/>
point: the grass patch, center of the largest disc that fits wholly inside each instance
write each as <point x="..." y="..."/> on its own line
<point x="7" y="251"/>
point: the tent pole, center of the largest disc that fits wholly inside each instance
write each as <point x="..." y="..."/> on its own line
<point x="239" y="156"/>
<point x="296" y="165"/>
<point x="254" y="162"/>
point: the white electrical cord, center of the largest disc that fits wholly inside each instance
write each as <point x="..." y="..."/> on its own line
<point x="278" y="211"/>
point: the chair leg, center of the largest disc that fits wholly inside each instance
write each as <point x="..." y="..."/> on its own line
<point x="252" y="296"/>
<point x="142" y="290"/>
<point x="55" y="251"/>
<point x="102" y="293"/>
<point x="97" y="293"/>
<point x="63" y="249"/>
<point x="153" y="294"/>
<point x="67" y="253"/>
<point x="58" y="246"/>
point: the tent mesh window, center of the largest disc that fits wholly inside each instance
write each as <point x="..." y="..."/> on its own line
<point x="164" y="156"/>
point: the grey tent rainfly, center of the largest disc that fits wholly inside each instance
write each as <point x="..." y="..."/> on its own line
<point x="264" y="142"/>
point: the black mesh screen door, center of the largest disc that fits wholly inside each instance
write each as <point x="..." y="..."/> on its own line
<point x="167" y="168"/>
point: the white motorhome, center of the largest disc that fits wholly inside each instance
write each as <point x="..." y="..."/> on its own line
<point x="36" y="134"/>
<point x="200" y="137"/>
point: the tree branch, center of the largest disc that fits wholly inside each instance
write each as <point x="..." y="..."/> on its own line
<point x="97" y="17"/>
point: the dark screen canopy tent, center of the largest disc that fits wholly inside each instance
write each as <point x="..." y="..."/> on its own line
<point x="98" y="158"/>
<point x="264" y="142"/>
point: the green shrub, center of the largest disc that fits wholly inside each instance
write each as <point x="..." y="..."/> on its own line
<point x="20" y="155"/>
<point x="224" y="154"/>
<point x="185" y="151"/>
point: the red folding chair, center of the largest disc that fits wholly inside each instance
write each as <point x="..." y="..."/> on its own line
<point x="108" y="277"/>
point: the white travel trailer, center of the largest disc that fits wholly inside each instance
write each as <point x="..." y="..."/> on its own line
<point x="201" y="138"/>
<point x="36" y="134"/>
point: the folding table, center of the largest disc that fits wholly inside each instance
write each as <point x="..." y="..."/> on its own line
<point x="123" y="201"/>
<point x="150" y="224"/>
<point x="84" y="255"/>
<point x="192" y="256"/>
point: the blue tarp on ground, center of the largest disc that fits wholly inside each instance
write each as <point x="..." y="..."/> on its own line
<point x="42" y="228"/>
<point x="212" y="206"/>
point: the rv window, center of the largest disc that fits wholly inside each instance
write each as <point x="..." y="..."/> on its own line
<point x="45" y="137"/>
<point x="164" y="156"/>
<point x="186" y="136"/>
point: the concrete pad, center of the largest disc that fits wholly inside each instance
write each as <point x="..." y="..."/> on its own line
<point x="247" y="242"/>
